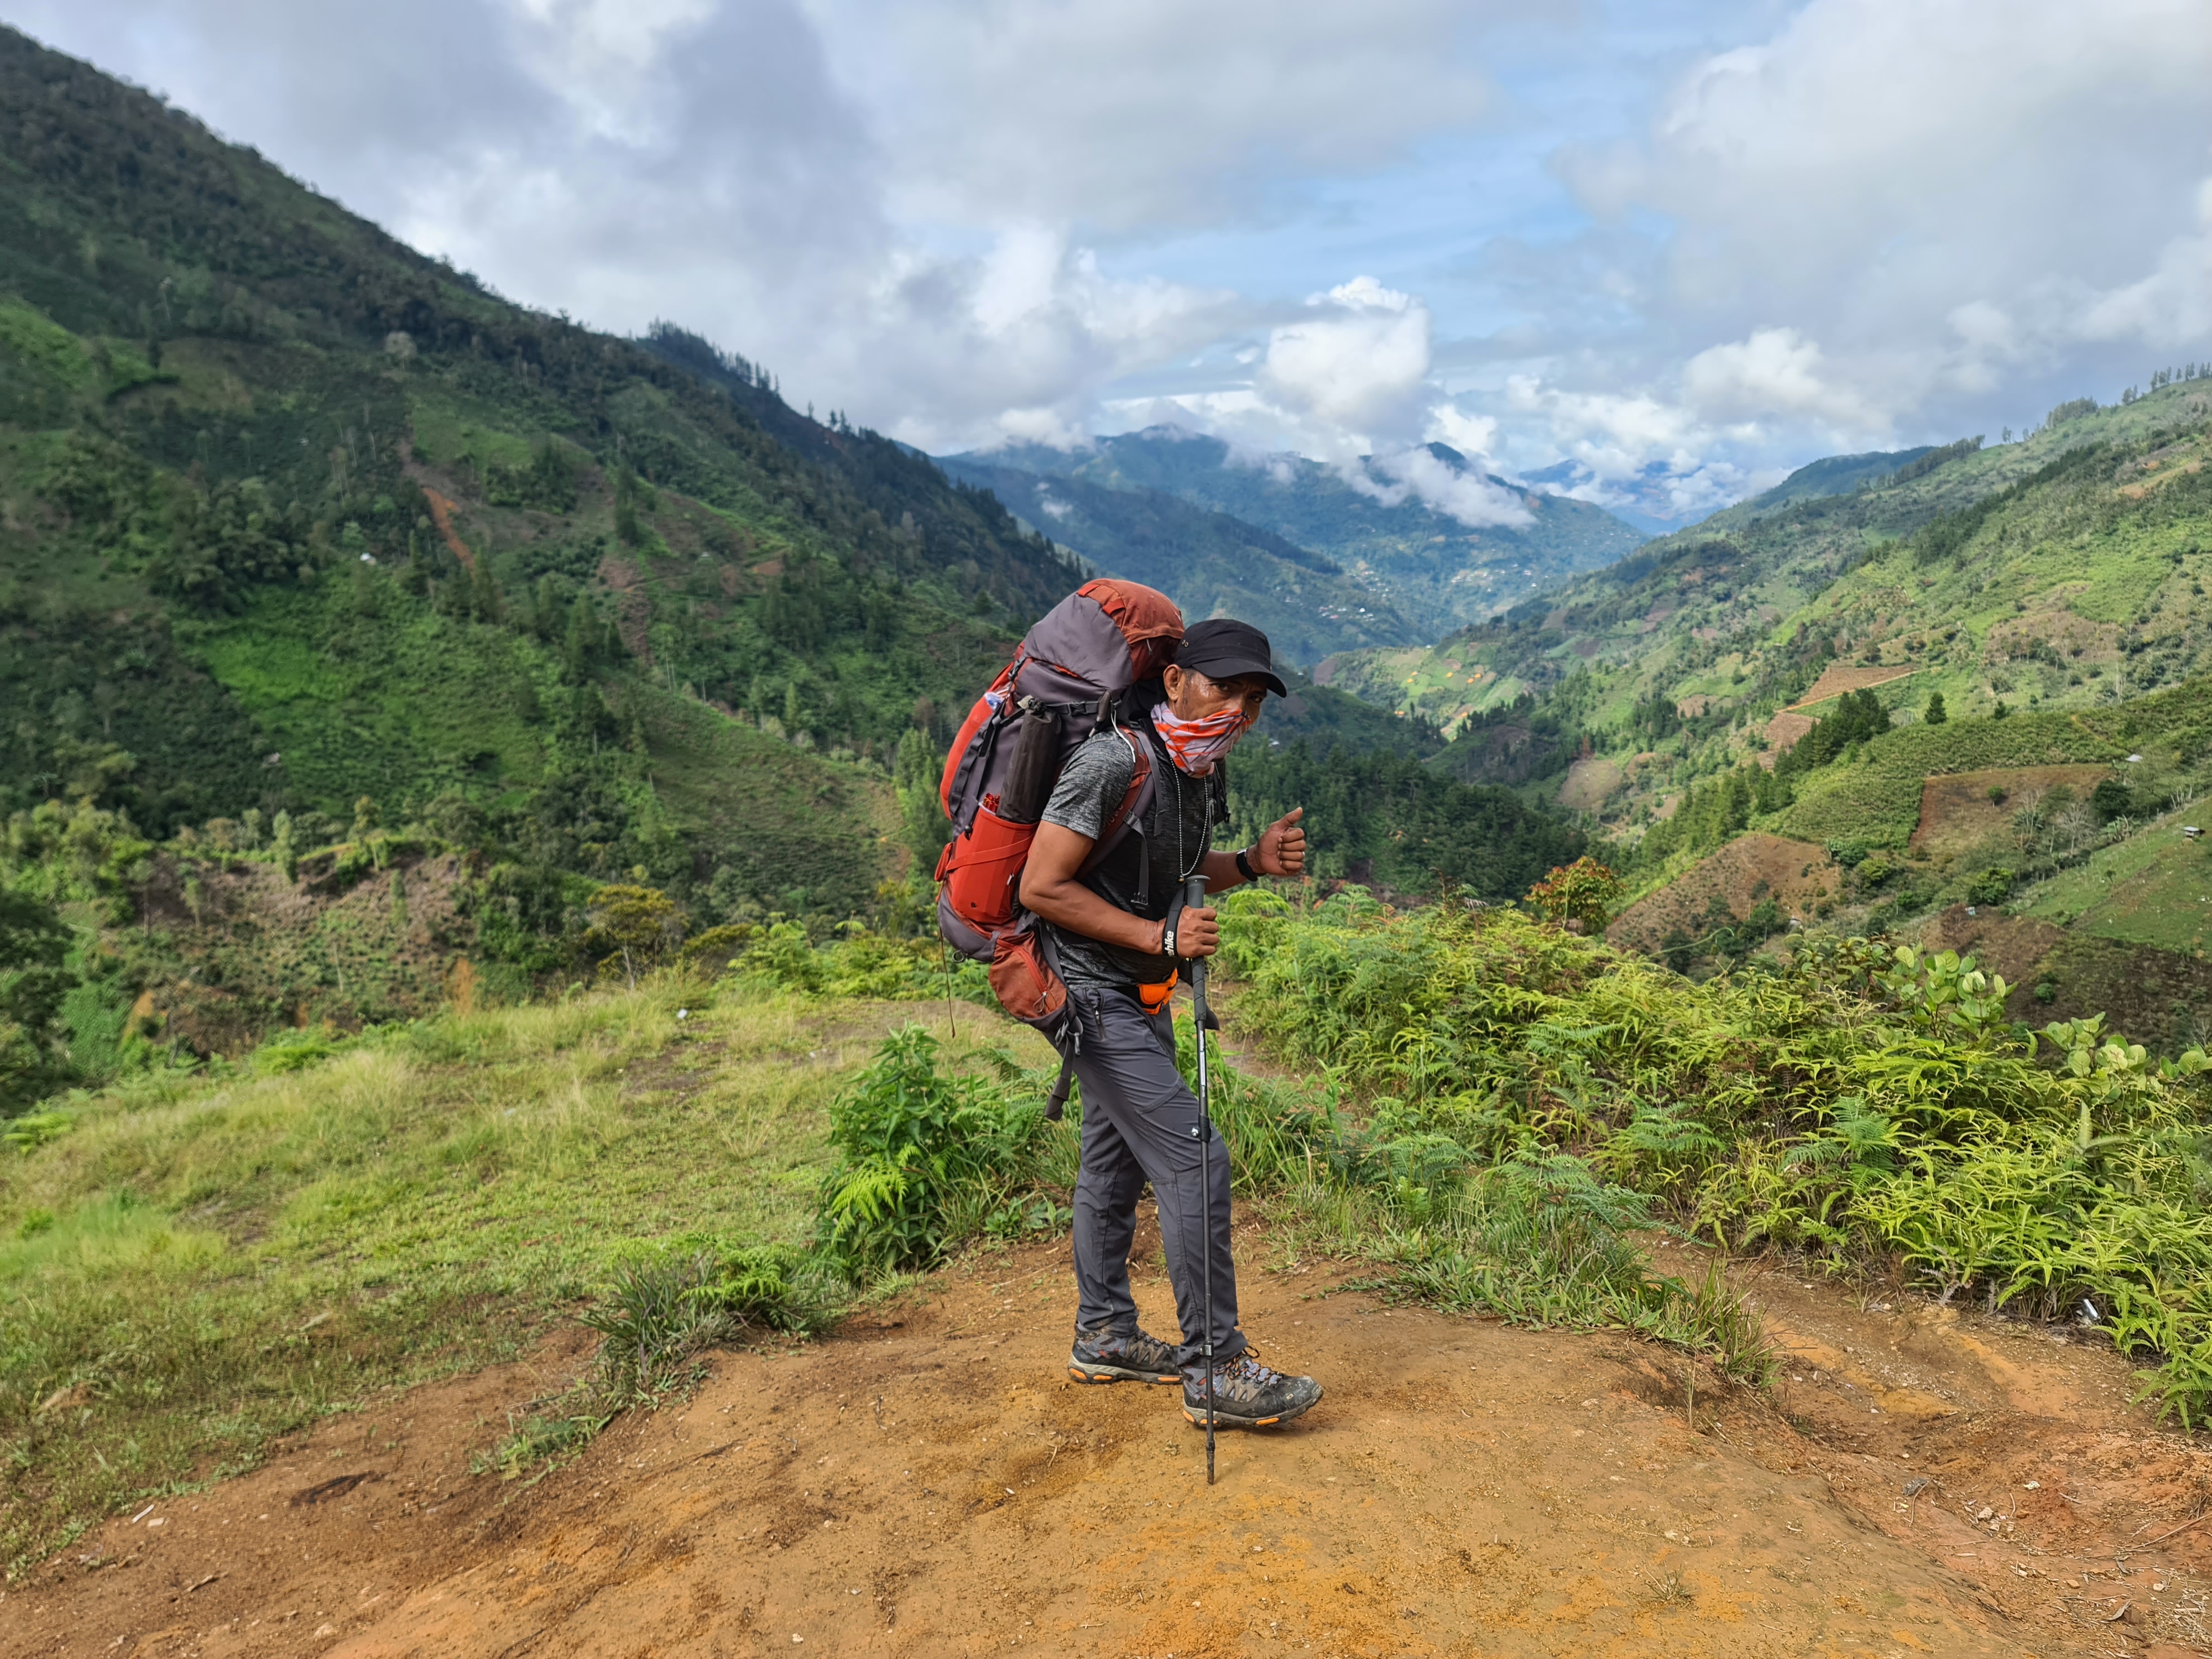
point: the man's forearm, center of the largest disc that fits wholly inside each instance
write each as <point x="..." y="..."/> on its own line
<point x="1072" y="905"/>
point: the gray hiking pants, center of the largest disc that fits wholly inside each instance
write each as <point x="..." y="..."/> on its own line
<point x="1141" y="1123"/>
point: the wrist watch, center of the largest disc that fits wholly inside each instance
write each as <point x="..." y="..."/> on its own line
<point x="1244" y="865"/>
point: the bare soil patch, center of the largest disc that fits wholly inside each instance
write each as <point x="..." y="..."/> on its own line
<point x="2158" y="998"/>
<point x="929" y="1483"/>
<point x="1783" y="731"/>
<point x="1956" y="811"/>
<point x="1796" y="874"/>
<point x="2053" y="631"/>
<point x="2011" y="945"/>
<point x="442" y="508"/>
<point x="1839" y="677"/>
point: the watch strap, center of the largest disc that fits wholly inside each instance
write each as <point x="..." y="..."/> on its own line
<point x="1245" y="865"/>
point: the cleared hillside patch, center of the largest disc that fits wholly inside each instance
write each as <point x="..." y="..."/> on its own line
<point x="1797" y="875"/>
<point x="1874" y="800"/>
<point x="1589" y="782"/>
<point x="1959" y="809"/>
<point x="2153" y="888"/>
<point x="1839" y="677"/>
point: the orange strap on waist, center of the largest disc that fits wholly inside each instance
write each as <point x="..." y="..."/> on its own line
<point x="1155" y="997"/>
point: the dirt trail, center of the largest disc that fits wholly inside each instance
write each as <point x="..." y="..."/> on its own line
<point x="927" y="1483"/>
<point x="441" y="512"/>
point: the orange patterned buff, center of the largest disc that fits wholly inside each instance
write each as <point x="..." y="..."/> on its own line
<point x="1195" y="745"/>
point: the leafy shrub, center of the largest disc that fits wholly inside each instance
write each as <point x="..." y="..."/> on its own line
<point x="548" y="483"/>
<point x="290" y="1050"/>
<point x="927" y="1160"/>
<point x="1866" y="1106"/>
<point x="34" y="983"/>
<point x="1992" y="886"/>
<point x="855" y="962"/>
<point x="1582" y="893"/>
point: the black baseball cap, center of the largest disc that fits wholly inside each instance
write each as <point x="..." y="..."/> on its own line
<point x="1223" y="648"/>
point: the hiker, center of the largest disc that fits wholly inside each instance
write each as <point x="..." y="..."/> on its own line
<point x="1119" y="938"/>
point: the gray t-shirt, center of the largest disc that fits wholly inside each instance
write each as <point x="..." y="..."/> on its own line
<point x="1172" y="840"/>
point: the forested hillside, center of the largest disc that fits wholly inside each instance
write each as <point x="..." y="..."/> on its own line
<point x="370" y="643"/>
<point x="330" y="582"/>
<point x="1954" y="694"/>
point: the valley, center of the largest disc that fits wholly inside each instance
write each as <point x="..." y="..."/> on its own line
<point x="495" y="1157"/>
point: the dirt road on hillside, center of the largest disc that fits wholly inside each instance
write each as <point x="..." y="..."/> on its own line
<point x="927" y="1484"/>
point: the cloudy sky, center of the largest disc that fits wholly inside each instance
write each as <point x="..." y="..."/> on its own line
<point x="1666" y="249"/>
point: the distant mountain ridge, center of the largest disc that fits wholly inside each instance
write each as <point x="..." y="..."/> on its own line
<point x="1211" y="563"/>
<point x="1427" y="564"/>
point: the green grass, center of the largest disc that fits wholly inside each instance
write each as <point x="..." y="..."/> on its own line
<point x="2153" y="888"/>
<point x="199" y="1267"/>
<point x="449" y="429"/>
<point x="43" y="345"/>
<point x="356" y="702"/>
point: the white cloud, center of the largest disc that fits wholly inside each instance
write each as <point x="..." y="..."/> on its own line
<point x="2172" y="306"/>
<point x="1467" y="495"/>
<point x="1845" y="222"/>
<point x="1938" y="194"/>
<point x="1129" y="115"/>
<point x="1614" y="435"/>
<point x="1472" y="435"/>
<point x="1354" y="370"/>
<point x="1775" y="372"/>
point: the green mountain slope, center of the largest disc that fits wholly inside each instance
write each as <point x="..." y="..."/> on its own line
<point x="1210" y="563"/>
<point x="1964" y="699"/>
<point x="366" y="638"/>
<point x="1833" y="475"/>
<point x="1430" y="566"/>
<point x="1728" y="623"/>
<point x="308" y="542"/>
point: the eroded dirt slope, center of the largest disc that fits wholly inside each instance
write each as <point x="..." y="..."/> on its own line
<point x="927" y="1483"/>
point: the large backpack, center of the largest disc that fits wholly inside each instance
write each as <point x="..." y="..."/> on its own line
<point x="1064" y="683"/>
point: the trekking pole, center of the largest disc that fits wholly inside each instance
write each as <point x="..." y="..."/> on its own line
<point x="1195" y="898"/>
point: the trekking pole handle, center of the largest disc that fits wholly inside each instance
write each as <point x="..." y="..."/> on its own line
<point x="1193" y="898"/>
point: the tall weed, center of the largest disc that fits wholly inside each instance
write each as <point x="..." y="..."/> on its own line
<point x="928" y="1159"/>
<point x="1863" y="1105"/>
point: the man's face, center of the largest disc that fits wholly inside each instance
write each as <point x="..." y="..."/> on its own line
<point x="1194" y="695"/>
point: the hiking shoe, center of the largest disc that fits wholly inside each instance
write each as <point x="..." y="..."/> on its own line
<point x="1104" y="1356"/>
<point x="1249" y="1395"/>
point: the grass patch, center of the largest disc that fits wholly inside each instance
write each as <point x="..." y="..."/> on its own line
<point x="193" y="1268"/>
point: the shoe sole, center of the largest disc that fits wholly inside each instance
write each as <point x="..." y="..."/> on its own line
<point x="1099" y="1373"/>
<point x="1223" y="1419"/>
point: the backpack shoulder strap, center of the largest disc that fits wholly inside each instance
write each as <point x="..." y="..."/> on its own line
<point x="1136" y="800"/>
